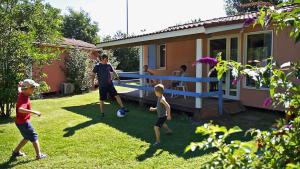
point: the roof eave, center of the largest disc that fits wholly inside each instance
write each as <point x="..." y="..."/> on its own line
<point x="171" y="34"/>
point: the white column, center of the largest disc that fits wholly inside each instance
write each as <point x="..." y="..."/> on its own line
<point x="141" y="58"/>
<point x="199" y="54"/>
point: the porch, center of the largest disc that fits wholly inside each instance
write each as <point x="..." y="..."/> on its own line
<point x="180" y="104"/>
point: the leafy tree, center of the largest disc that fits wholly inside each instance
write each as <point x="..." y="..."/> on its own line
<point x="24" y="25"/>
<point x="128" y="58"/>
<point x="233" y="7"/>
<point x="79" y="25"/>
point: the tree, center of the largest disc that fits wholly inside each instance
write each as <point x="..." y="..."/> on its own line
<point x="79" y="25"/>
<point x="128" y="58"/>
<point x="233" y="7"/>
<point x="24" y="25"/>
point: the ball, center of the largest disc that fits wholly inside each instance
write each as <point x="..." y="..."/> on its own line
<point x="121" y="113"/>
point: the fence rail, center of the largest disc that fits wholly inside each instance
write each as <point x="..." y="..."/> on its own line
<point x="218" y="93"/>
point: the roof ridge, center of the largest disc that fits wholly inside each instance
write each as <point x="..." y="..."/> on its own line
<point x="241" y="14"/>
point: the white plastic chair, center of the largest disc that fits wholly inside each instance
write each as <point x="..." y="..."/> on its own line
<point x="182" y="85"/>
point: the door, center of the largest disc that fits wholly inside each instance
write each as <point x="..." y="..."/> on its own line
<point x="229" y="47"/>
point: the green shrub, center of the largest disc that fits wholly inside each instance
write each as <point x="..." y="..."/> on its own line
<point x="78" y="69"/>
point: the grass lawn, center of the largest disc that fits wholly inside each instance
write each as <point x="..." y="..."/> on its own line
<point x="74" y="135"/>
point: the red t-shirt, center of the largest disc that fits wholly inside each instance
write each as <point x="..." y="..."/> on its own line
<point x="24" y="102"/>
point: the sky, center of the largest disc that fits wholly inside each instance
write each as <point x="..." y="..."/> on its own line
<point x="144" y="15"/>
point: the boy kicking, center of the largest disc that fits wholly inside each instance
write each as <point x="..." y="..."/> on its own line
<point x="23" y="110"/>
<point x="103" y="71"/>
<point x="163" y="112"/>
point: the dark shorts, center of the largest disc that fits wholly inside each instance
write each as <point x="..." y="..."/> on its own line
<point x="107" y="89"/>
<point x="27" y="131"/>
<point x="160" y="121"/>
<point x="175" y="84"/>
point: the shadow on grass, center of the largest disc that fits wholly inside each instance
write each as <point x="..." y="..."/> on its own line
<point x="5" y="120"/>
<point x="139" y="123"/>
<point x="12" y="162"/>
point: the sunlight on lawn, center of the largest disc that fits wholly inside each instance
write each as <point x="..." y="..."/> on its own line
<point x="73" y="133"/>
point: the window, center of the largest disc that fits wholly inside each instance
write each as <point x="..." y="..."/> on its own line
<point x="258" y="50"/>
<point x="161" y="60"/>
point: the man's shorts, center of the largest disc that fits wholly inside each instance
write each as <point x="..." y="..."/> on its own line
<point x="175" y="84"/>
<point x="27" y="131"/>
<point x="107" y="89"/>
<point x="160" y="121"/>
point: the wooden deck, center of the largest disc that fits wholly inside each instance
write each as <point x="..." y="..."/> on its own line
<point x="209" y="105"/>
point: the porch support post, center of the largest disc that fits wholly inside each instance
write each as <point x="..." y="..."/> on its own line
<point x="141" y="59"/>
<point x="199" y="54"/>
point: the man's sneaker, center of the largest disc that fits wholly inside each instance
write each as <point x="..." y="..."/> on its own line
<point x="125" y="109"/>
<point x="17" y="154"/>
<point x="156" y="144"/>
<point x="41" y="156"/>
<point x="169" y="133"/>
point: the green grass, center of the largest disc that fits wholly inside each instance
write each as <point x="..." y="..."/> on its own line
<point x="74" y="135"/>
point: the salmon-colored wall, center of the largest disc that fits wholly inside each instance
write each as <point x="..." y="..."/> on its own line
<point x="55" y="74"/>
<point x="177" y="53"/>
<point x="284" y="50"/>
<point x="183" y="52"/>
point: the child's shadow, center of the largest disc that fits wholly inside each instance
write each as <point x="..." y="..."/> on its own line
<point x="12" y="162"/>
<point x="149" y="153"/>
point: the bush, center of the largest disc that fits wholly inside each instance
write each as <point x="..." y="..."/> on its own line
<point x="44" y="88"/>
<point x="78" y="69"/>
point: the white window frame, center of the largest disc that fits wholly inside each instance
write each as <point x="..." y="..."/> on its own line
<point x="245" y="54"/>
<point x="158" y="57"/>
<point x="239" y="59"/>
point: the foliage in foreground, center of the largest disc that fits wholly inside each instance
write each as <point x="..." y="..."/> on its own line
<point x="279" y="147"/>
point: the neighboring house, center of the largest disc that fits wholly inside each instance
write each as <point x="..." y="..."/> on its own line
<point x="164" y="51"/>
<point x="55" y="74"/>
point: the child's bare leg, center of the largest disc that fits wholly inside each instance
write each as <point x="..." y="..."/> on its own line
<point x="101" y="105"/>
<point x="157" y="133"/>
<point x="20" y="145"/>
<point x="119" y="100"/>
<point x="168" y="130"/>
<point x="37" y="148"/>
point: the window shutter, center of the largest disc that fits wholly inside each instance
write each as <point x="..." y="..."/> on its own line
<point x="152" y="56"/>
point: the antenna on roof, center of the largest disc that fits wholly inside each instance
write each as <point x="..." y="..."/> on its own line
<point x="127" y="16"/>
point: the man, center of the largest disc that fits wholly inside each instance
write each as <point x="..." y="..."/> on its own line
<point x="103" y="71"/>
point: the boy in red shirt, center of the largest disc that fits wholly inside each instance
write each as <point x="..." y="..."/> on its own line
<point x="23" y="111"/>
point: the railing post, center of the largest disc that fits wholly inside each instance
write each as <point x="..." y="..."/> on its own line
<point x="141" y="59"/>
<point x="198" y="101"/>
<point x="220" y="97"/>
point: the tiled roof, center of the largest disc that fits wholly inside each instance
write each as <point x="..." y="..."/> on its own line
<point x="234" y="19"/>
<point x="77" y="43"/>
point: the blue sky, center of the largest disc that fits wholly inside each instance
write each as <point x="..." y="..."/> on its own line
<point x="150" y="15"/>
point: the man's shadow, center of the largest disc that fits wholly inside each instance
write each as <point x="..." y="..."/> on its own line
<point x="85" y="110"/>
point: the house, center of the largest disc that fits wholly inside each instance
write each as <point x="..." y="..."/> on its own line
<point x="54" y="71"/>
<point x="165" y="50"/>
